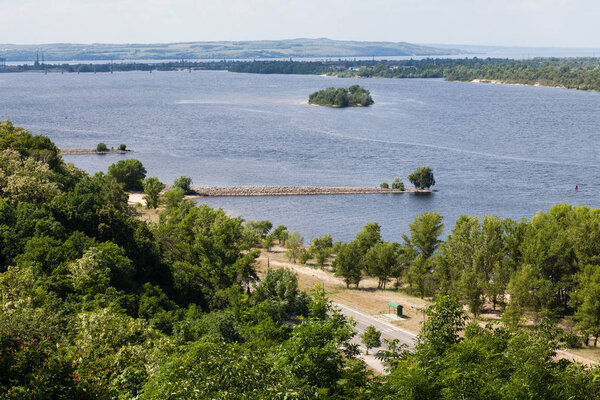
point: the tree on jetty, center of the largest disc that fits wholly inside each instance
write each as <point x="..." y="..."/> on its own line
<point x="101" y="148"/>
<point x="422" y="178"/>
<point x="398" y="184"/>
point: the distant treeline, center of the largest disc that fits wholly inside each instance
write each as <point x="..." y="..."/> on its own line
<point x="572" y="73"/>
<point x="116" y="67"/>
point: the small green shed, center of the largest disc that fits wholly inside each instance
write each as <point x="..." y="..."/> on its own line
<point x="396" y="307"/>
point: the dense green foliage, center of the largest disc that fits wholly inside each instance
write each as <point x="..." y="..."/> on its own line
<point x="489" y="362"/>
<point x="548" y="266"/>
<point x="130" y="173"/>
<point x="101" y="148"/>
<point x="96" y="304"/>
<point x="341" y="97"/>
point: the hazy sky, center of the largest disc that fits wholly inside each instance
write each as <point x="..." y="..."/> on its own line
<point x="569" y="23"/>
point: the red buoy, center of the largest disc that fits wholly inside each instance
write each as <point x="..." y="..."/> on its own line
<point x="576" y="187"/>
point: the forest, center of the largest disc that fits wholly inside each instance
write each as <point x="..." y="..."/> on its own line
<point x="98" y="304"/>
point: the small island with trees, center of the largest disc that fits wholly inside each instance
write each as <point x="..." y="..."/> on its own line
<point x="354" y="96"/>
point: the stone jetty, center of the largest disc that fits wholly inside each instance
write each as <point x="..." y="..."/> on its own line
<point x="93" y="151"/>
<point x="215" y="191"/>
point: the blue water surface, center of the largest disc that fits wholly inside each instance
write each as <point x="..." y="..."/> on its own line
<point x="495" y="149"/>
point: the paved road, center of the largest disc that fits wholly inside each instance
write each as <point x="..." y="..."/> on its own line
<point x="388" y="331"/>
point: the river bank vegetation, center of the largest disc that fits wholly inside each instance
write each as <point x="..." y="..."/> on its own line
<point x="571" y="73"/>
<point x="97" y="304"/>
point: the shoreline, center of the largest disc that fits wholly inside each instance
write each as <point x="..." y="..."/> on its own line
<point x="500" y="82"/>
<point x="92" y="151"/>
<point x="256" y="190"/>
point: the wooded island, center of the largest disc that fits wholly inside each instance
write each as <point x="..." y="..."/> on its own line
<point x="354" y="96"/>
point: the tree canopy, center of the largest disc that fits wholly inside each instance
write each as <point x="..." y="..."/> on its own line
<point x="341" y="97"/>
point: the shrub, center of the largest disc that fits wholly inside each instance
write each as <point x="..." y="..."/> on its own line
<point x="122" y="147"/>
<point x="571" y="340"/>
<point x="397" y="184"/>
<point x="384" y="185"/>
<point x="183" y="182"/>
<point x="101" y="148"/>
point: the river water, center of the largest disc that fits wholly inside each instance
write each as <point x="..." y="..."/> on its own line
<point x="494" y="149"/>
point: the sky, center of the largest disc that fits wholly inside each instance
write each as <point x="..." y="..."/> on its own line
<point x="557" y="23"/>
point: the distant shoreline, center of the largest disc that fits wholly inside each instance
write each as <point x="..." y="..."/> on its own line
<point x="501" y="82"/>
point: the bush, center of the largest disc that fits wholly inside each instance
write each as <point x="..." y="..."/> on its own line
<point x="571" y="340"/>
<point x="397" y="184"/>
<point x="183" y="182"/>
<point x="101" y="148"/>
<point x="122" y="147"/>
<point x="384" y="185"/>
<point x="129" y="173"/>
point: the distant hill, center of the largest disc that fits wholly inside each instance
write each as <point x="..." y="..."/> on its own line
<point x="218" y="50"/>
<point x="520" y="51"/>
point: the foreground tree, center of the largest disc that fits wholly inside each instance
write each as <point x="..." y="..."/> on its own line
<point x="321" y="249"/>
<point x="371" y="338"/>
<point x="425" y="231"/>
<point x="587" y="300"/>
<point x="129" y="173"/>
<point x="294" y="245"/>
<point x="381" y="261"/>
<point x="422" y="178"/>
<point x="152" y="189"/>
<point x="347" y="263"/>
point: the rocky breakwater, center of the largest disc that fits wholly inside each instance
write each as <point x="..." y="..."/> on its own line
<point x="93" y="151"/>
<point x="214" y="191"/>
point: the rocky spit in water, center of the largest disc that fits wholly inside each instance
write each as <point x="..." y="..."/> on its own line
<point x="93" y="151"/>
<point x="215" y="191"/>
